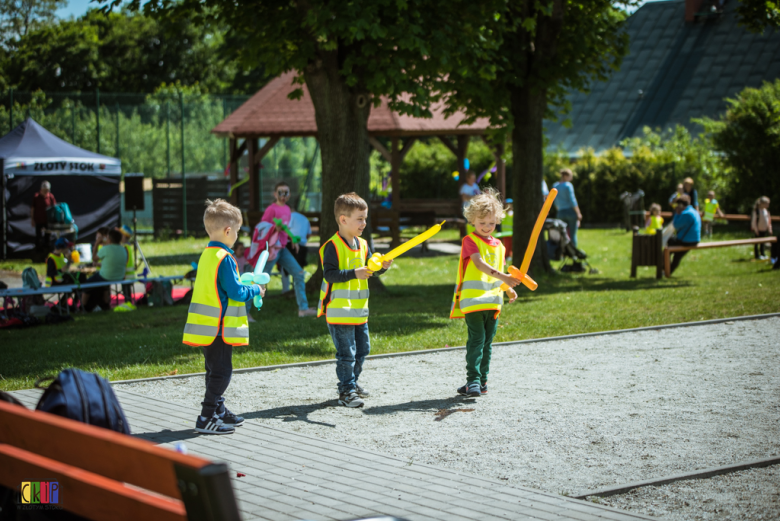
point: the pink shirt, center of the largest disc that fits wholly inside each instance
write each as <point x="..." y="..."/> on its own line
<point x="278" y="212"/>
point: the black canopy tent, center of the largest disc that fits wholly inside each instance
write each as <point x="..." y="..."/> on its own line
<point x="87" y="181"/>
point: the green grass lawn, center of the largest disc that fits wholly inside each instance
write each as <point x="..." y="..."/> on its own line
<point x="412" y="314"/>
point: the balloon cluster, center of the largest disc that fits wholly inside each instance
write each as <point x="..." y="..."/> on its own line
<point x="456" y="174"/>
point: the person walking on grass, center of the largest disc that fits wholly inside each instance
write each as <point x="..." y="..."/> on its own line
<point x="761" y="225"/>
<point x="285" y="258"/>
<point x="711" y="210"/>
<point x="567" y="206"/>
<point x="687" y="225"/>
<point x="217" y="318"/>
<point x="344" y="295"/>
<point x="478" y="296"/>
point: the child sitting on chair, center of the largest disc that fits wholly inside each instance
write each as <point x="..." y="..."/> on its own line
<point x="655" y="223"/>
<point x="113" y="260"/>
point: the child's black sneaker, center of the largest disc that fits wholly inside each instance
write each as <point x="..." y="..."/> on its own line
<point x="363" y="393"/>
<point x="231" y="419"/>
<point x="350" y="399"/>
<point x="483" y="388"/>
<point x="471" y="389"/>
<point x="213" y="425"/>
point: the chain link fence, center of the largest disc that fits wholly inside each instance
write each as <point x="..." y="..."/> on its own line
<point x="164" y="136"/>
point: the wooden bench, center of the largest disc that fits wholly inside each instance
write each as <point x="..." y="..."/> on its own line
<point x="726" y="217"/>
<point x="707" y="245"/>
<point x="105" y="475"/>
<point x="646" y="250"/>
<point x="449" y="209"/>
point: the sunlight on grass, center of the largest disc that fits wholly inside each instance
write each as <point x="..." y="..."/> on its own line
<point x="412" y="314"/>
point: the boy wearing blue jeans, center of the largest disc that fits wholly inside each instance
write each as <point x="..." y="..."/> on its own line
<point x="217" y="318"/>
<point x="344" y="295"/>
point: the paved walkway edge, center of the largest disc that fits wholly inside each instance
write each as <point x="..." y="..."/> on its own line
<point x="699" y="474"/>
<point x="440" y="349"/>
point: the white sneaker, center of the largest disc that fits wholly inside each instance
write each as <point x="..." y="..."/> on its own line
<point x="311" y="312"/>
<point x="97" y="309"/>
<point x="250" y="319"/>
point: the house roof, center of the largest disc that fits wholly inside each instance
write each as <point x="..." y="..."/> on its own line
<point x="683" y="70"/>
<point x="271" y="113"/>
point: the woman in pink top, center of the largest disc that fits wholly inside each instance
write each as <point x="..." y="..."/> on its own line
<point x="285" y="259"/>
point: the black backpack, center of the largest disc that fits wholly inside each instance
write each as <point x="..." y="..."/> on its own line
<point x="84" y="397"/>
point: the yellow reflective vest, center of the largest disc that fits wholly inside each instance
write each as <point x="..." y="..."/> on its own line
<point x="130" y="266"/>
<point x="203" y="319"/>
<point x="656" y="223"/>
<point x="477" y="291"/>
<point x="710" y="208"/>
<point x="345" y="303"/>
<point x="59" y="262"/>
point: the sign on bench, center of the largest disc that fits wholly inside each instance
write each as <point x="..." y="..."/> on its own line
<point x="104" y="475"/>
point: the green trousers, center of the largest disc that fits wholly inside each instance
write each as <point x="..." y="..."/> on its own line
<point x="482" y="328"/>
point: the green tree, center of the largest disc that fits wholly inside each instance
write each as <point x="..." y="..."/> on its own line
<point x="349" y="54"/>
<point x="18" y="17"/>
<point x="748" y="135"/>
<point x="546" y="48"/>
<point x="756" y="15"/>
<point x="124" y="52"/>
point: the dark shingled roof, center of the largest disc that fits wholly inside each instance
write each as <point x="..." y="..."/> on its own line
<point x="684" y="70"/>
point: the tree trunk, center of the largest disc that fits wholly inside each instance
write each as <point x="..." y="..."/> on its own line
<point x="528" y="107"/>
<point x="342" y="130"/>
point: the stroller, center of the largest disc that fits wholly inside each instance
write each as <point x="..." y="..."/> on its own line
<point x="559" y="247"/>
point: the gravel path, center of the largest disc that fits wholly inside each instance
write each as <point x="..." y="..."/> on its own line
<point x="564" y="417"/>
<point x="751" y="495"/>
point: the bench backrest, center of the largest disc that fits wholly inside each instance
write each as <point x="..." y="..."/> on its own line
<point x="441" y="207"/>
<point x="107" y="475"/>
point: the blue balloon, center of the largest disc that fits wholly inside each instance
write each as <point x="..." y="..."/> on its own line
<point x="466" y="163"/>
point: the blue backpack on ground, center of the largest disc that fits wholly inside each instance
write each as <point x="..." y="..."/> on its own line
<point x="84" y="397"/>
<point x="59" y="214"/>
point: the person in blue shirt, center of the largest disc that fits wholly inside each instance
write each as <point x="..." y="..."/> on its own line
<point x="566" y="204"/>
<point x="687" y="225"/>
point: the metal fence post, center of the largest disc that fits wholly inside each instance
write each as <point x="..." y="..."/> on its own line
<point x="168" y="136"/>
<point x="183" y="176"/>
<point x="97" y="118"/>
<point x="12" y="111"/>
<point x="73" y="123"/>
<point x="117" y="131"/>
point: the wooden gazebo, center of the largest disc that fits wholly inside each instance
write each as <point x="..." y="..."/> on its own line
<point x="271" y="114"/>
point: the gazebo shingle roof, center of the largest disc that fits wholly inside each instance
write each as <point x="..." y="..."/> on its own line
<point x="271" y="113"/>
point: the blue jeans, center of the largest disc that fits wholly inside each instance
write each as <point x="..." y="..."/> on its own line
<point x="352" y="347"/>
<point x="569" y="216"/>
<point x="286" y="260"/>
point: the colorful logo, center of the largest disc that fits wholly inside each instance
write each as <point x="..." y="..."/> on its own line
<point x="40" y="492"/>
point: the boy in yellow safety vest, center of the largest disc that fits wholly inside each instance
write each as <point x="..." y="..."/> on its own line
<point x="478" y="296"/>
<point x="217" y="318"/>
<point x="711" y="210"/>
<point x="57" y="263"/>
<point x="344" y="295"/>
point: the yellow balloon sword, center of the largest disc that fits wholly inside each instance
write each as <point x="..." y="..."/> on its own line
<point x="522" y="273"/>
<point x="376" y="260"/>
